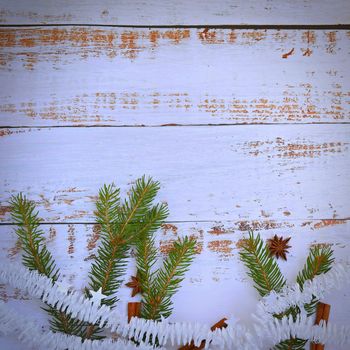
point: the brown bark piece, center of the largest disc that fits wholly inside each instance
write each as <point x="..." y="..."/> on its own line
<point x="220" y="324"/>
<point x="322" y="313"/>
<point x="134" y="310"/>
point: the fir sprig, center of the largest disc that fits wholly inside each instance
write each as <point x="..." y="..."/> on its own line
<point x="121" y="227"/>
<point x="263" y="268"/>
<point x="61" y="321"/>
<point x="110" y="262"/>
<point x="319" y="261"/>
<point x="291" y="344"/>
<point x="264" y="271"/>
<point x="267" y="276"/>
<point x="157" y="301"/>
<point x="146" y="253"/>
<point x="37" y="257"/>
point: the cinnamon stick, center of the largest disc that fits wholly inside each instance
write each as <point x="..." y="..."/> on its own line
<point x="220" y="324"/>
<point x="134" y="310"/>
<point x="322" y="313"/>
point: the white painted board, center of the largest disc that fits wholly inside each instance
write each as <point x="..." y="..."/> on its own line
<point x="253" y="172"/>
<point x="170" y="12"/>
<point x="93" y="76"/>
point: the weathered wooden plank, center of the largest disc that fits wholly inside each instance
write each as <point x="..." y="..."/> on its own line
<point x="125" y="76"/>
<point x="216" y="276"/>
<point x="168" y="12"/>
<point x="261" y="173"/>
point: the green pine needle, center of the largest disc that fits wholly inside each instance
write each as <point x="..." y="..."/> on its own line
<point x="62" y="322"/>
<point x="263" y="268"/>
<point x="291" y="344"/>
<point x="264" y="271"/>
<point x="157" y="301"/>
<point x="120" y="228"/>
<point x="319" y="261"/>
<point x="110" y="262"/>
<point x="146" y="253"/>
<point x="37" y="257"/>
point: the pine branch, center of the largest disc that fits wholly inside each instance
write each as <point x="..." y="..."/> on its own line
<point x="110" y="261"/>
<point x="140" y="200"/>
<point x="263" y="269"/>
<point x="319" y="261"/>
<point x="291" y="344"/>
<point x="120" y="228"/>
<point x="107" y="209"/>
<point x="37" y="257"/>
<point x="63" y="322"/>
<point x="167" y="281"/>
<point x="146" y="253"/>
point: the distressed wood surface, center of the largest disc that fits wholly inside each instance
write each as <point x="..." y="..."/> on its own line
<point x="124" y="76"/>
<point x="181" y="12"/>
<point x="290" y="178"/>
<point x="216" y="276"/>
<point x="256" y="172"/>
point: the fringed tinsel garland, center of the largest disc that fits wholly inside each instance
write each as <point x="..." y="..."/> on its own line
<point x="235" y="336"/>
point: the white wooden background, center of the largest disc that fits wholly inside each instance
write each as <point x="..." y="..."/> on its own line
<point x="240" y="109"/>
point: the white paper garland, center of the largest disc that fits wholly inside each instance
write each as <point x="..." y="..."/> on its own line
<point x="28" y="332"/>
<point x="233" y="337"/>
<point x="273" y="332"/>
<point x="291" y="295"/>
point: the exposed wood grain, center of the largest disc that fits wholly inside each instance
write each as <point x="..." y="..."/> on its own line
<point x="123" y="76"/>
<point x="256" y="174"/>
<point x="219" y="182"/>
<point x="169" y="12"/>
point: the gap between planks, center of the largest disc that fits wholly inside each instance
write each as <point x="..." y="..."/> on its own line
<point x="45" y="223"/>
<point x="194" y="26"/>
<point x="163" y="125"/>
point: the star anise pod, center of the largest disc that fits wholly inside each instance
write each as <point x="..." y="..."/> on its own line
<point x="135" y="285"/>
<point x="278" y="246"/>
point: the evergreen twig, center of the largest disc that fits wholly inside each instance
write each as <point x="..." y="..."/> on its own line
<point x="263" y="268"/>
<point x="146" y="253"/>
<point x="157" y="301"/>
<point x="120" y="225"/>
<point x="319" y="261"/>
<point x="37" y="257"/>
<point x="267" y="277"/>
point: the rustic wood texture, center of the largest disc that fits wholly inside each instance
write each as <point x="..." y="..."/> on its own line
<point x="169" y="12"/>
<point x="58" y="76"/>
<point x="246" y="127"/>
<point x="256" y="172"/>
<point x="217" y="277"/>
